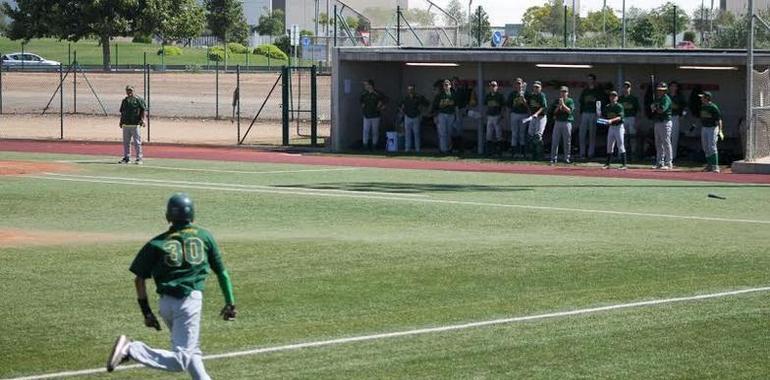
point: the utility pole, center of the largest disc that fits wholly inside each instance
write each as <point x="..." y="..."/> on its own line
<point x="623" y="26"/>
<point x="574" y="24"/>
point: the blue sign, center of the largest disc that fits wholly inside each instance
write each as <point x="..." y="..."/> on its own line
<point x="497" y="38"/>
<point x="305" y="41"/>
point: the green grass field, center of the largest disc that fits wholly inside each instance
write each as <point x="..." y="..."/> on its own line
<point x="319" y="255"/>
<point x="89" y="52"/>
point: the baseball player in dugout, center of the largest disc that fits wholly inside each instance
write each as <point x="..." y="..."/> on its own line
<point x="537" y="120"/>
<point x="411" y="107"/>
<point x="372" y="104"/>
<point x="613" y="114"/>
<point x="494" y="101"/>
<point x="678" y="112"/>
<point x="132" y="110"/>
<point x="661" y="117"/>
<point x="518" y="111"/>
<point x="711" y="129"/>
<point x="179" y="260"/>
<point x="562" y="110"/>
<point x="588" y="99"/>
<point x="445" y="108"/>
<point x="464" y="97"/>
<point x="630" y="110"/>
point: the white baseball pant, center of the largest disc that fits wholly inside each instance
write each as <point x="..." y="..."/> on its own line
<point x="494" y="129"/>
<point x="663" y="142"/>
<point x="587" y="127"/>
<point x="615" y="137"/>
<point x="371" y="129"/>
<point x="518" y="129"/>
<point x="562" y="130"/>
<point x="412" y="133"/>
<point x="132" y="134"/>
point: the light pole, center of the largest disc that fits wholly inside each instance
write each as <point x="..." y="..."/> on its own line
<point x="470" y="21"/>
<point x="574" y="24"/>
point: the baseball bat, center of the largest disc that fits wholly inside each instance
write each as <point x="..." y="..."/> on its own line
<point x="712" y="195"/>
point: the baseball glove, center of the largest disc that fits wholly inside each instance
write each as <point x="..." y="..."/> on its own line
<point x="228" y="312"/>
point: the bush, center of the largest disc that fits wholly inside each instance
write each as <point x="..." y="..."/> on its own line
<point x="170" y="51"/>
<point x="237" y="48"/>
<point x="142" y="39"/>
<point x="217" y="53"/>
<point x="283" y="43"/>
<point x="272" y="51"/>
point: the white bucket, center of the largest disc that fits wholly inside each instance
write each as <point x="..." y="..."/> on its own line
<point x="391" y="141"/>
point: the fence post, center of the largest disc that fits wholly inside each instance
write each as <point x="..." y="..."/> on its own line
<point x="117" y="56"/>
<point x="674" y="34"/>
<point x="216" y="90"/>
<point x="565" y="26"/>
<point x="61" y="102"/>
<point x="144" y="75"/>
<point x="398" y="26"/>
<point x="1" y="87"/>
<point x="149" y="100"/>
<point x="285" y="108"/>
<point x="238" y="100"/>
<point x="313" y="106"/>
<point x="335" y="26"/>
<point x="75" y="83"/>
<point x="69" y="53"/>
<point x="22" y="55"/>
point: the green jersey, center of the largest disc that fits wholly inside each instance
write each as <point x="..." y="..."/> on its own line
<point x="678" y="104"/>
<point x="613" y="110"/>
<point x="560" y="114"/>
<point x="371" y="103"/>
<point x="462" y="96"/>
<point x="131" y="110"/>
<point x="588" y="99"/>
<point x="630" y="105"/>
<point x="179" y="260"/>
<point x="517" y="102"/>
<point x="445" y="103"/>
<point x="661" y="109"/>
<point x="536" y="102"/>
<point x="710" y="115"/>
<point x="494" y="102"/>
<point x="412" y="103"/>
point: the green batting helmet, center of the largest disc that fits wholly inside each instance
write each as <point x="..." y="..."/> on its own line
<point x="180" y="208"/>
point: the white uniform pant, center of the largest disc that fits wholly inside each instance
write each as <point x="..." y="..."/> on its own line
<point x="371" y="129"/>
<point x="445" y="124"/>
<point x="537" y="127"/>
<point x="131" y="135"/>
<point x="615" y="137"/>
<point x="663" y="142"/>
<point x="708" y="140"/>
<point x="412" y="133"/>
<point x="182" y="317"/>
<point x="587" y="127"/>
<point x="562" y="130"/>
<point x="675" y="122"/>
<point x="494" y="129"/>
<point x="518" y="129"/>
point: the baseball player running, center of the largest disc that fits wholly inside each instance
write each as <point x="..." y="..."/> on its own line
<point x="661" y="117"/>
<point x="445" y="104"/>
<point x="132" y="110"/>
<point x="179" y="260"/>
<point x="630" y="110"/>
<point x="411" y="107"/>
<point x="711" y="127"/>
<point x="613" y="113"/>
<point x="518" y="111"/>
<point x="562" y="111"/>
<point x="588" y="99"/>
<point x="537" y="119"/>
<point x="678" y="112"/>
<point x="494" y="101"/>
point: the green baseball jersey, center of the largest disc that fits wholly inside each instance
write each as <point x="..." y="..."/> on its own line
<point x="661" y="109"/>
<point x="179" y="260"/>
<point x="370" y="104"/>
<point x="710" y="115"/>
<point x="412" y="103"/>
<point x="613" y="110"/>
<point x="536" y="102"/>
<point x="131" y="110"/>
<point x="445" y="103"/>
<point x="462" y="96"/>
<point x="630" y="105"/>
<point x="588" y="99"/>
<point x="561" y="115"/>
<point x="494" y="101"/>
<point x="678" y="104"/>
<point x="517" y="102"/>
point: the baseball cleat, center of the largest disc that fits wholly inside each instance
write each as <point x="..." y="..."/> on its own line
<point x="605" y="167"/>
<point x="125" y="160"/>
<point x="138" y="162"/>
<point x="119" y="353"/>
<point x="624" y="167"/>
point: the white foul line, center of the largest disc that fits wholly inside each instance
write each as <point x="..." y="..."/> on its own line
<point x="430" y="330"/>
<point x="360" y="194"/>
<point x="212" y="170"/>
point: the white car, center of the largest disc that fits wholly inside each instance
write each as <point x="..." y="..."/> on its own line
<point x="26" y="59"/>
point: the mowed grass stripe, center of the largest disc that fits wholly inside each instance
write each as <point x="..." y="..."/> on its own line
<point x="365" y="195"/>
<point x="423" y="331"/>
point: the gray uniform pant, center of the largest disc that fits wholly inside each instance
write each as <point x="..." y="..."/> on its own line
<point x="562" y="130"/>
<point x="183" y="317"/>
<point x="132" y="134"/>
<point x="518" y="129"/>
<point x="371" y="128"/>
<point x="537" y="127"/>
<point x="708" y="140"/>
<point x="494" y="129"/>
<point x="675" y="122"/>
<point x="587" y="127"/>
<point x="412" y="133"/>
<point x="445" y="124"/>
<point x="663" y="143"/>
<point x="615" y="137"/>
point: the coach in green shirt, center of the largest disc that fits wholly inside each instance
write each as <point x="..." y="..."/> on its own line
<point x="661" y="116"/>
<point x="711" y="128"/>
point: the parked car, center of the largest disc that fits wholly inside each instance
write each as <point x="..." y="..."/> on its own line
<point x="26" y="59"/>
<point x="685" y="45"/>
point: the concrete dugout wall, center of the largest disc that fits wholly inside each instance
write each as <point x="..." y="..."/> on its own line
<point x="387" y="67"/>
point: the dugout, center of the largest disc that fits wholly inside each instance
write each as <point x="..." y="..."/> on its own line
<point x="720" y="71"/>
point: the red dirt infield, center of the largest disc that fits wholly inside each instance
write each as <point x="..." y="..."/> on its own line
<point x="250" y="154"/>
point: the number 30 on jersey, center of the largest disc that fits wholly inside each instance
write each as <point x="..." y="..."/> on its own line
<point x="190" y="250"/>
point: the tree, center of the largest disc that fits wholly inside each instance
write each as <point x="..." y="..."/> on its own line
<point x="226" y="20"/>
<point x="420" y="17"/>
<point x="74" y="20"/>
<point x="172" y="20"/>
<point x="600" y="29"/>
<point x="480" y="28"/>
<point x="271" y="24"/>
<point x="455" y="10"/>
<point x="544" y="25"/>
<point x="3" y="25"/>
<point x="662" y="19"/>
<point x="642" y="31"/>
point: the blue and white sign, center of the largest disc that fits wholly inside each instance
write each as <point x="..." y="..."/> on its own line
<point x="497" y="38"/>
<point x="305" y="41"/>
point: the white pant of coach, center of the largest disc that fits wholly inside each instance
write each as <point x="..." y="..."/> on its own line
<point x="412" y="133"/>
<point x="182" y="317"/>
<point x="518" y="129"/>
<point x="615" y="137"/>
<point x="132" y="134"/>
<point x="663" y="143"/>
<point x="587" y="126"/>
<point x="562" y="131"/>
<point x="371" y="129"/>
<point x="446" y="122"/>
<point x="494" y="129"/>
